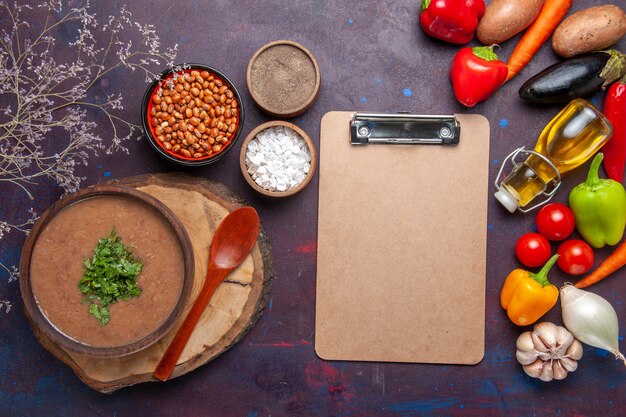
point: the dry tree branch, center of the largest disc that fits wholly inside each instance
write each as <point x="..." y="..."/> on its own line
<point x="43" y="99"/>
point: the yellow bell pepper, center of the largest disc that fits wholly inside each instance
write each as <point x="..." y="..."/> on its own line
<point x="526" y="296"/>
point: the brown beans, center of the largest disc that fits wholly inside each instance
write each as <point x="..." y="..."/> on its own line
<point x="194" y="115"/>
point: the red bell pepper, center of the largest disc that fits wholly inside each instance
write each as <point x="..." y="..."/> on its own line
<point x="451" y="20"/>
<point x="476" y="73"/>
<point x="615" y="149"/>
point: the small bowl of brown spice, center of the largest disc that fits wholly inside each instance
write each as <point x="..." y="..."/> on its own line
<point x="192" y="114"/>
<point x="283" y="79"/>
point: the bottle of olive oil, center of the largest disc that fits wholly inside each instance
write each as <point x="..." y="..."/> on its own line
<point x="569" y="140"/>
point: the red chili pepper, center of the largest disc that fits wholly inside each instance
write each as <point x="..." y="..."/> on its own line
<point x="451" y="20"/>
<point x="615" y="149"/>
<point x="476" y="73"/>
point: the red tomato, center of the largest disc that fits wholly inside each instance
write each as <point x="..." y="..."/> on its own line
<point x="555" y="221"/>
<point x="532" y="249"/>
<point x="576" y="257"/>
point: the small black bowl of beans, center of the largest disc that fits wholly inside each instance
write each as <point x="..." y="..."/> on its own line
<point x="192" y="114"/>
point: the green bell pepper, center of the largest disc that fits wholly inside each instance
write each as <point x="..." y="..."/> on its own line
<point x="599" y="206"/>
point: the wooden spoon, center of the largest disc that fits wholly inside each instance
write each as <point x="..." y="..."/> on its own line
<point x="233" y="240"/>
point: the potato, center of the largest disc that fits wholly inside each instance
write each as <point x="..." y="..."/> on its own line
<point x="504" y="19"/>
<point x="589" y="30"/>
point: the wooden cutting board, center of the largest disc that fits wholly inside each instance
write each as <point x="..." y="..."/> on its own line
<point x="236" y="305"/>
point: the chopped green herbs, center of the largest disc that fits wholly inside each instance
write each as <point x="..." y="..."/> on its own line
<point x="110" y="275"/>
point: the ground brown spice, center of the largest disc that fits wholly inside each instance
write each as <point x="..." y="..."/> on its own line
<point x="283" y="79"/>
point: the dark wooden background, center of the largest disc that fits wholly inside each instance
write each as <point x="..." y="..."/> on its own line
<point x="373" y="56"/>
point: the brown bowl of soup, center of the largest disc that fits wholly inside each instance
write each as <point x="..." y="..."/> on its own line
<point x="68" y="249"/>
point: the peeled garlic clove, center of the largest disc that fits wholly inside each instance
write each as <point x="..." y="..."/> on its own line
<point x="525" y="342"/>
<point x="526" y="357"/>
<point x="526" y="353"/>
<point x="575" y="350"/>
<point x="546" y="373"/>
<point x="547" y="332"/>
<point x="534" y="369"/>
<point x="558" y="371"/>
<point x="538" y="342"/>
<point x="564" y="339"/>
<point x="569" y="364"/>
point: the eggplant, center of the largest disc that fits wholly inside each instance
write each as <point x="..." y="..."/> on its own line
<point x="575" y="78"/>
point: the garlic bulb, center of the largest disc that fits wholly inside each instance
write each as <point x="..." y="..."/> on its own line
<point x="591" y="318"/>
<point x="548" y="352"/>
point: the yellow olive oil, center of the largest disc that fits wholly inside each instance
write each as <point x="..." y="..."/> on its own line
<point x="569" y="140"/>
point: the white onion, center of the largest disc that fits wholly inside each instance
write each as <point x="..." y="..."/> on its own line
<point x="591" y="319"/>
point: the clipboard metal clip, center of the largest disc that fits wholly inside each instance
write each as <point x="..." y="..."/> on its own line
<point x="404" y="128"/>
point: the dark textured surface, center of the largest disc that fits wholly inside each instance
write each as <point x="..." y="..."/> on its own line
<point x="372" y="56"/>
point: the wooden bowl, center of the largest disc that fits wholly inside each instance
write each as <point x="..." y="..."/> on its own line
<point x="283" y="79"/>
<point x="39" y="319"/>
<point x="291" y="191"/>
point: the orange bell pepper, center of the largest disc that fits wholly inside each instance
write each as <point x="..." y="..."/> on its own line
<point x="526" y="296"/>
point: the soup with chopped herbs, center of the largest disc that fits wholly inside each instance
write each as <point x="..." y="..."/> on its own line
<point x="152" y="257"/>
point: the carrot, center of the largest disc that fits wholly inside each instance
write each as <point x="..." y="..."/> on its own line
<point x="615" y="261"/>
<point x="550" y="15"/>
